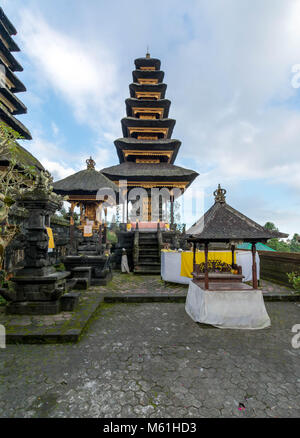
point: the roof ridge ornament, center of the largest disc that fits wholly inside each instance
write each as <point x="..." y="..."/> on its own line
<point x="219" y="194"/>
<point x="148" y="54"/>
<point x="90" y="164"/>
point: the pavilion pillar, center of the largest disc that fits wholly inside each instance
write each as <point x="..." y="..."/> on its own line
<point x="172" y="211"/>
<point x="100" y="233"/>
<point x="72" y="223"/>
<point x="206" y="285"/>
<point x="232" y="252"/>
<point x="194" y="255"/>
<point x="254" y="267"/>
<point x="105" y="233"/>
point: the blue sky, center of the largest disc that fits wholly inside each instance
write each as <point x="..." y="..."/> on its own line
<point x="228" y="65"/>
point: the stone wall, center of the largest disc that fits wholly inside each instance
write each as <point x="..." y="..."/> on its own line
<point x="274" y="266"/>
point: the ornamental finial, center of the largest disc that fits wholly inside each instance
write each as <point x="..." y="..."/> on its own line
<point x="90" y="163"/>
<point x="148" y="54"/>
<point x="219" y="194"/>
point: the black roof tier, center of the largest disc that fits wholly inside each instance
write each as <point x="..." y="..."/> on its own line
<point x="138" y="103"/>
<point x="20" y="108"/>
<point x="7" y="23"/>
<point x="12" y="46"/>
<point x="222" y="223"/>
<point x="123" y="145"/>
<point x="24" y="158"/>
<point x="14" y="65"/>
<point x="18" y="86"/>
<point x="143" y="88"/>
<point x="14" y="123"/>
<point x="85" y="182"/>
<point x="145" y="74"/>
<point x="147" y="62"/>
<point x="163" y="172"/>
<point x="164" y="127"/>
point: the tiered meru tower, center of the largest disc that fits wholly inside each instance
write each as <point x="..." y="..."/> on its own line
<point x="147" y="152"/>
<point x="10" y="105"/>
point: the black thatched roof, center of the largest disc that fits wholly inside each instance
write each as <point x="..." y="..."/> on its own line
<point x="7" y="23"/>
<point x="141" y="103"/>
<point x="158" y="88"/>
<point x="147" y="62"/>
<point x="14" y="123"/>
<point x="157" y="74"/>
<point x="20" y="108"/>
<point x="133" y="122"/>
<point x="146" y="145"/>
<point x="15" y="66"/>
<point x="24" y="157"/>
<point x="147" y="171"/>
<point x="13" y="47"/>
<point x="222" y="223"/>
<point x="87" y="181"/>
<point x="17" y="84"/>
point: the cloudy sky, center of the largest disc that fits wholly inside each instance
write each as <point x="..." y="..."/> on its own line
<point x="231" y="68"/>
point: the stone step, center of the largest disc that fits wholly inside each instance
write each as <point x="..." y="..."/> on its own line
<point x="149" y="256"/>
<point x="144" y="271"/>
<point x="147" y="236"/>
<point x="149" y="243"/>
<point x="149" y="264"/>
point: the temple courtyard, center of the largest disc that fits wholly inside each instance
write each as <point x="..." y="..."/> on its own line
<point x="149" y="359"/>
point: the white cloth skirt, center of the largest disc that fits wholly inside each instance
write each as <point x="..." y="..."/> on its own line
<point x="243" y="309"/>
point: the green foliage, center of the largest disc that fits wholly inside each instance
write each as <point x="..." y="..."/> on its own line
<point x="112" y="237"/>
<point x="270" y="226"/>
<point x="66" y="215"/>
<point x="294" y="279"/>
<point x="60" y="268"/>
<point x="281" y="245"/>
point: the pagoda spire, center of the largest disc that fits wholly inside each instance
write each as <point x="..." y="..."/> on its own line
<point x="147" y="150"/>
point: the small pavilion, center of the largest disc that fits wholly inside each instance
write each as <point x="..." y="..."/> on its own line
<point x="82" y="189"/>
<point x="222" y="223"/>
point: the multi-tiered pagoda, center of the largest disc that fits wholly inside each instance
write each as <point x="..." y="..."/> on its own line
<point x="10" y="105"/>
<point x="147" y="152"/>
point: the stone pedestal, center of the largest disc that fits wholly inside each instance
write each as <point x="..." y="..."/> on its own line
<point x="101" y="272"/>
<point x="37" y="288"/>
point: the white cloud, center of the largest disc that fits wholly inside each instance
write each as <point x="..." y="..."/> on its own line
<point x="86" y="78"/>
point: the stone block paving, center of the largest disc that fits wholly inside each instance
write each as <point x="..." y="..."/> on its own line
<point x="140" y="284"/>
<point x="151" y="360"/>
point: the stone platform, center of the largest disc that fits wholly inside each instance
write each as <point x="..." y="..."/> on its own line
<point x="124" y="288"/>
<point x="47" y="329"/>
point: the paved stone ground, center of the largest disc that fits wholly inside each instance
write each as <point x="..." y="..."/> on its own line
<point x="267" y="286"/>
<point x="152" y="360"/>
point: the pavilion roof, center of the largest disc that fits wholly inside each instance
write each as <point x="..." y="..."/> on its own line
<point x="87" y="181"/>
<point x="148" y="171"/>
<point x="223" y="223"/>
<point x="23" y="156"/>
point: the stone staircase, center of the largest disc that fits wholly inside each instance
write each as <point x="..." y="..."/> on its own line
<point x="148" y="257"/>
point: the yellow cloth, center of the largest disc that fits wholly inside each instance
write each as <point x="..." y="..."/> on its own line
<point x="51" y="238"/>
<point x="187" y="260"/>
